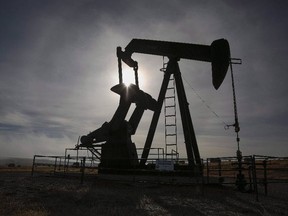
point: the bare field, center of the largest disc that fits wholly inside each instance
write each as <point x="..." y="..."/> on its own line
<point x="21" y="194"/>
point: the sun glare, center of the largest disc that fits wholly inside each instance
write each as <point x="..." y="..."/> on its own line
<point x="128" y="77"/>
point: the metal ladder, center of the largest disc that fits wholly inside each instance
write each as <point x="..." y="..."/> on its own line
<point x="171" y="150"/>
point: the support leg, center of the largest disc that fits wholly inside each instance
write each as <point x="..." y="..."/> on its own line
<point x="156" y="115"/>
<point x="189" y="133"/>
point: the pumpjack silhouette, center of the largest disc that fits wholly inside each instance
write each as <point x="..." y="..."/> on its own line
<point x="117" y="149"/>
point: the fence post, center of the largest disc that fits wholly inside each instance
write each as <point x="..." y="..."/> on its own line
<point x="32" y="172"/>
<point x="265" y="176"/>
<point x="55" y="165"/>
<point x="219" y="168"/>
<point x="207" y="169"/>
<point x="254" y="177"/>
<point x="83" y="169"/>
<point x="250" y="175"/>
<point x="59" y="167"/>
<point x="65" y="160"/>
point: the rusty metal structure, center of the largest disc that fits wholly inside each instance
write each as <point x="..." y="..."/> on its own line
<point x="117" y="151"/>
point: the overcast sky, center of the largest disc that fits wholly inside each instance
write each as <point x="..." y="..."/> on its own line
<point x="58" y="63"/>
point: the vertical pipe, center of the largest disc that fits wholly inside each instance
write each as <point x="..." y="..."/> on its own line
<point x="136" y="75"/>
<point x="119" y="65"/>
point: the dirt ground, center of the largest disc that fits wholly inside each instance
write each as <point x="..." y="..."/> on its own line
<point x="21" y="194"/>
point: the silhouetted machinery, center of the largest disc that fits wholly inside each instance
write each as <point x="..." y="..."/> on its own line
<point x="118" y="151"/>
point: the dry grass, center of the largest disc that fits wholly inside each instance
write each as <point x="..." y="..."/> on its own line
<point x="15" y="169"/>
<point x="21" y="194"/>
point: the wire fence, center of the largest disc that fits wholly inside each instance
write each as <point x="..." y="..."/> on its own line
<point x="249" y="174"/>
<point x="256" y="173"/>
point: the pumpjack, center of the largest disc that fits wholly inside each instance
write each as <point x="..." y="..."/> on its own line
<point x="117" y="149"/>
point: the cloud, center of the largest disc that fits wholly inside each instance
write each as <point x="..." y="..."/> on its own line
<point x="59" y="62"/>
<point x="28" y="144"/>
